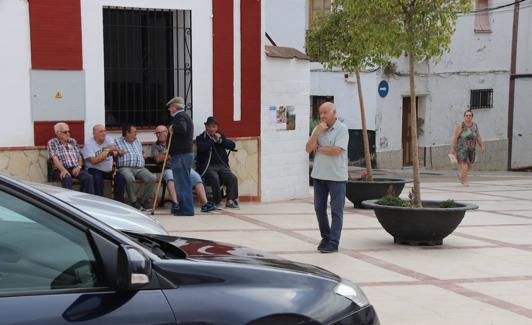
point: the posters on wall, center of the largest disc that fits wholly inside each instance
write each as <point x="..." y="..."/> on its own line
<point x="283" y="117"/>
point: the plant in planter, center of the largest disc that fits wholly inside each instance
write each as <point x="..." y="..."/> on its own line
<point x="421" y="29"/>
<point x="350" y="38"/>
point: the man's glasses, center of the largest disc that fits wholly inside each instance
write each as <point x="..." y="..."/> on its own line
<point x="468" y="115"/>
<point x="65" y="132"/>
<point x="161" y="132"/>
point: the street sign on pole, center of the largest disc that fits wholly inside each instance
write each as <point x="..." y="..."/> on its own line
<point x="383" y="88"/>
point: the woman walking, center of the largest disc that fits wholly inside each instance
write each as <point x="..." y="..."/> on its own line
<point x="465" y="139"/>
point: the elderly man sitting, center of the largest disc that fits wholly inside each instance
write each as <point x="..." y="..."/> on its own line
<point x="158" y="151"/>
<point x="131" y="166"/>
<point x="67" y="160"/>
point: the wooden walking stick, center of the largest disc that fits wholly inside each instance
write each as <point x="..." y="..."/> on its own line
<point x="168" y="143"/>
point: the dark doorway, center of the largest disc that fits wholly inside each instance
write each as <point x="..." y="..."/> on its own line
<point x="316" y="102"/>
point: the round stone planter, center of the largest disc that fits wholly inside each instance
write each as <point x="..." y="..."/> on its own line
<point x="419" y="226"/>
<point x="358" y="190"/>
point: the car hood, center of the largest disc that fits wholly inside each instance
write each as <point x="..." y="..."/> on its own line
<point x="116" y="214"/>
<point x="206" y="250"/>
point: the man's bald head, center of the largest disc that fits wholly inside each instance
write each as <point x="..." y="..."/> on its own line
<point x="98" y="131"/>
<point x="328" y="113"/>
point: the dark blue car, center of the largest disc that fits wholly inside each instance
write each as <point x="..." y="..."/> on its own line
<point x="59" y="265"/>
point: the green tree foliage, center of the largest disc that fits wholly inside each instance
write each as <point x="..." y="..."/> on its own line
<point x="423" y="29"/>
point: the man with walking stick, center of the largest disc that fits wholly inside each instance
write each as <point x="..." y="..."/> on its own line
<point x="180" y="149"/>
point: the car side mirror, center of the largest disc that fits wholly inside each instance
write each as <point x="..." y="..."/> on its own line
<point x="134" y="269"/>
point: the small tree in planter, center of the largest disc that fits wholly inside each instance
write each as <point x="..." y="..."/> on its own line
<point x="353" y="36"/>
<point x="422" y="29"/>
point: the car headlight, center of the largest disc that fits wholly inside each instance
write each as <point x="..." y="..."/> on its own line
<point x="352" y="292"/>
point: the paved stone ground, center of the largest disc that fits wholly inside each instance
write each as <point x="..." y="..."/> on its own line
<point x="482" y="274"/>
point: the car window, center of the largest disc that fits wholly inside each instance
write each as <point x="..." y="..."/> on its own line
<point x="41" y="252"/>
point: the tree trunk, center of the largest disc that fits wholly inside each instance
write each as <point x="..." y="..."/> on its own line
<point x="413" y="131"/>
<point x="367" y="154"/>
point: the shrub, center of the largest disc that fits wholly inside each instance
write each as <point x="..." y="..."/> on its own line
<point x="394" y="201"/>
<point x="448" y="204"/>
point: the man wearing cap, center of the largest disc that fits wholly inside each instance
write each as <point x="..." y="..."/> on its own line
<point x="213" y="164"/>
<point x="182" y="156"/>
<point x="67" y="160"/>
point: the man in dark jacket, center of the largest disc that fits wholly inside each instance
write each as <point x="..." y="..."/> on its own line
<point x="182" y="156"/>
<point x="213" y="164"/>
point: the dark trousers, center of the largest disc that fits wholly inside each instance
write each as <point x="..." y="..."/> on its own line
<point x="119" y="183"/>
<point x="85" y="180"/>
<point x="322" y="189"/>
<point x="219" y="174"/>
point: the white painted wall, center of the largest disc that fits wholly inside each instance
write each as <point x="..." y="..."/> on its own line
<point x="284" y="161"/>
<point x="286" y="22"/>
<point x="15" y="65"/>
<point x="522" y="135"/>
<point x="93" y="58"/>
<point x="475" y="61"/>
<point x="524" y="44"/>
<point x="334" y="83"/>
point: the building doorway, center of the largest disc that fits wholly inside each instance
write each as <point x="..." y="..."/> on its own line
<point x="316" y="102"/>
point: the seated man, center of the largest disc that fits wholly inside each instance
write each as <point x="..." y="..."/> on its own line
<point x="131" y="166"/>
<point x="158" y="151"/>
<point x="64" y="152"/>
<point x="98" y="152"/>
<point x="213" y="164"/>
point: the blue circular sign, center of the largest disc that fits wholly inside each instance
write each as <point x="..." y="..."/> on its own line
<point x="383" y="88"/>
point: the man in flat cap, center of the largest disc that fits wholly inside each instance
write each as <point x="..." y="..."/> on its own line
<point x="182" y="157"/>
<point x="213" y="164"/>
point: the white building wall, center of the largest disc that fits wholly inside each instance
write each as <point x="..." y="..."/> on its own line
<point x="286" y="22"/>
<point x="475" y="61"/>
<point x="284" y="161"/>
<point x="15" y="65"/>
<point x="524" y="44"/>
<point x="93" y="58"/>
<point x="334" y="83"/>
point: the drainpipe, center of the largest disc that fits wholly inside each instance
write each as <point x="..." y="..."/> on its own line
<point x="511" y="95"/>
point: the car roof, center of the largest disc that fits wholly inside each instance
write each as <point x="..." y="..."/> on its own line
<point x="115" y="214"/>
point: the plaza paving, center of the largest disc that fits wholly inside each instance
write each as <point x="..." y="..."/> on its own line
<point x="482" y="274"/>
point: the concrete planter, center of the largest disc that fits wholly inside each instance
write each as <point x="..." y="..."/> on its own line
<point x="419" y="226"/>
<point x="358" y="190"/>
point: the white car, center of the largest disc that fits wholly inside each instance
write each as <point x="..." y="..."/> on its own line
<point x="116" y="214"/>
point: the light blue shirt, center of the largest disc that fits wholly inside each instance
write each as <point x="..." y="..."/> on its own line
<point x="93" y="149"/>
<point x="327" y="167"/>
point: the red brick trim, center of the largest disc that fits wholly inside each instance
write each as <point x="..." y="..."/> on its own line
<point x="55" y="32"/>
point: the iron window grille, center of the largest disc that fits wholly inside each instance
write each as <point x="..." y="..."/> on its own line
<point x="147" y="61"/>
<point x="481" y="98"/>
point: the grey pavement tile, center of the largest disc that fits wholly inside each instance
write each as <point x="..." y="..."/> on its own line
<point x="425" y="304"/>
<point x="482" y="218"/>
<point x="205" y="221"/>
<point x="516" y="292"/>
<point x="461" y="263"/>
<point x="517" y="235"/>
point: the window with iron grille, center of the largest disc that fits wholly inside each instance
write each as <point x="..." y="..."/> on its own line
<point x="481" y="98"/>
<point x="147" y="60"/>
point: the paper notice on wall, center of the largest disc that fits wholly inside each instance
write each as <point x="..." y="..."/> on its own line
<point x="290" y="118"/>
<point x="282" y="117"/>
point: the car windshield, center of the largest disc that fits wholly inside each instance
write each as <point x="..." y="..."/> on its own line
<point x="158" y="247"/>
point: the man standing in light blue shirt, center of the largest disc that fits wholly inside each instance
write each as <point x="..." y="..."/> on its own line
<point x="329" y="142"/>
<point x="131" y="166"/>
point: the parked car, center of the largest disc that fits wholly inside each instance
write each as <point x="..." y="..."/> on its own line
<point x="116" y="214"/>
<point x="60" y="265"/>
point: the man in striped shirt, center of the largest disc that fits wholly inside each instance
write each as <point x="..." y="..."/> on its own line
<point x="67" y="160"/>
<point x="131" y="166"/>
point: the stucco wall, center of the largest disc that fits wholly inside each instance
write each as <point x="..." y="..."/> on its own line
<point x="475" y="61"/>
<point x="15" y="65"/>
<point x="284" y="161"/>
<point x="333" y="83"/>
